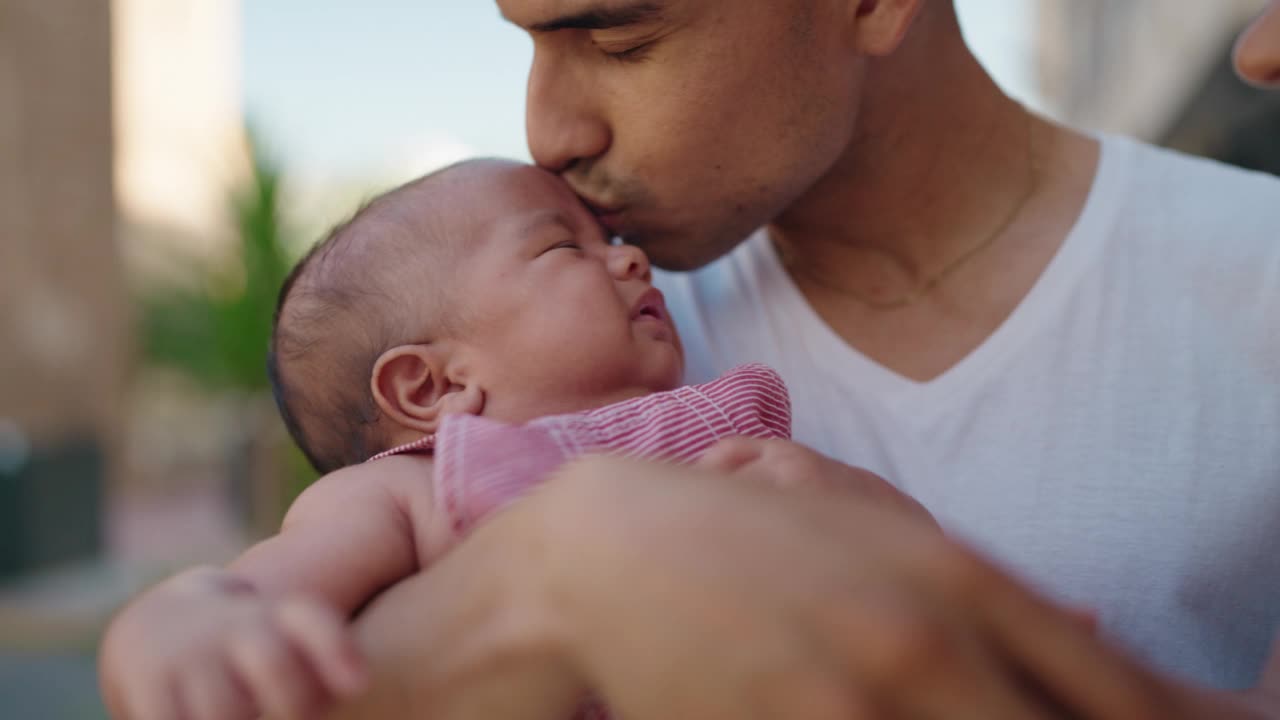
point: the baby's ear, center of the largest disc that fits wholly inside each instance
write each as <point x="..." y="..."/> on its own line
<point x="413" y="387"/>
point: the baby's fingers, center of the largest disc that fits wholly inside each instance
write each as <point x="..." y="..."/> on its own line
<point x="276" y="675"/>
<point x="323" y="637"/>
<point x="156" y="701"/>
<point x="213" y="692"/>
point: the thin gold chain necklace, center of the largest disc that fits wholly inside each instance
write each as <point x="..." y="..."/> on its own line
<point x="932" y="282"/>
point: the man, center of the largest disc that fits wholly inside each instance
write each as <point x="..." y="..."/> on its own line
<point x="1064" y="347"/>
<point x="1258" y="52"/>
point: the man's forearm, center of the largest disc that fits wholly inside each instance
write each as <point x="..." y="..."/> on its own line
<point x="462" y="640"/>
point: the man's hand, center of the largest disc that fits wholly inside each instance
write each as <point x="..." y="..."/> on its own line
<point x="207" y="647"/>
<point x="687" y="594"/>
<point x="684" y="593"/>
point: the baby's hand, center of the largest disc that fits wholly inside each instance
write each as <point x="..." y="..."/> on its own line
<point x="206" y="646"/>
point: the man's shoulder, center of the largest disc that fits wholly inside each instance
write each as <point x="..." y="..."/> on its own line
<point x="1194" y="234"/>
<point x="1191" y="217"/>
<point x="1186" y="194"/>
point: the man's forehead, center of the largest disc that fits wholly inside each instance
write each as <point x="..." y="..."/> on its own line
<point x="552" y="15"/>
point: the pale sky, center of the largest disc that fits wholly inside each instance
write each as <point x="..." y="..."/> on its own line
<point x="389" y="89"/>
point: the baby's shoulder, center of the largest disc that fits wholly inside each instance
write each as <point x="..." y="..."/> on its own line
<point x="399" y="484"/>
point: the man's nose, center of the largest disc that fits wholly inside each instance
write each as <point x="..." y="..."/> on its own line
<point x="1258" y="52"/>
<point x="628" y="262"/>
<point x="562" y="124"/>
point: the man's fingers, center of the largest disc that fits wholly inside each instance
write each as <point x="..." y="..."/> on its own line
<point x="275" y="675"/>
<point x="917" y="660"/>
<point x="788" y="465"/>
<point x="895" y="650"/>
<point x="976" y="685"/>
<point x="731" y="454"/>
<point x="323" y="638"/>
<point x="1088" y="677"/>
<point x="779" y="463"/>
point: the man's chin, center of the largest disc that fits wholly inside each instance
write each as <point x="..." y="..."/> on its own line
<point x="681" y="252"/>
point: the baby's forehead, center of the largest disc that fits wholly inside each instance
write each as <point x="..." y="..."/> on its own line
<point x="512" y="200"/>
<point x="513" y="188"/>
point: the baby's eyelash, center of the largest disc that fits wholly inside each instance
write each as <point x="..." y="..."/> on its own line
<point x="566" y="245"/>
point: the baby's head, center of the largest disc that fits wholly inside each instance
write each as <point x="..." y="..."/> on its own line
<point x="485" y="288"/>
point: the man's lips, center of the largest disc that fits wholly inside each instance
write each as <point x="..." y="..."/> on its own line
<point x="607" y="215"/>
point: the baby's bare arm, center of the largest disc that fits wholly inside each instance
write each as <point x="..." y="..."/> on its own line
<point x="269" y="634"/>
<point x="346" y="538"/>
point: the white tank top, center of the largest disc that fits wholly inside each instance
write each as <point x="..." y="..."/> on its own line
<point x="1116" y="442"/>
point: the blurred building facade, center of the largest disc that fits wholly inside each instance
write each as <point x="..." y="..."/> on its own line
<point x="179" y="128"/>
<point x="120" y="135"/>
<point x="63" y="337"/>
<point x="60" y="279"/>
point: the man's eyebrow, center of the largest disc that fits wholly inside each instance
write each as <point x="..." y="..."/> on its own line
<point x="602" y="18"/>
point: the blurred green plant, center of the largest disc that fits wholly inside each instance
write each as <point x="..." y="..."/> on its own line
<point x="217" y="330"/>
<point x="213" y="324"/>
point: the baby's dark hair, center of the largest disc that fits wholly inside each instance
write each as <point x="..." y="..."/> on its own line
<point x="338" y="311"/>
<point x="303" y="314"/>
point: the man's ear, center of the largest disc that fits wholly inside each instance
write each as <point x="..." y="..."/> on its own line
<point x="414" y="387"/>
<point x="879" y="26"/>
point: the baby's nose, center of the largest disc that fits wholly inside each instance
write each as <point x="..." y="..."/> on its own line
<point x="628" y="262"/>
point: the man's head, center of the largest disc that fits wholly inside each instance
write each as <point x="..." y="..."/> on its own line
<point x="486" y="289"/>
<point x="1258" y="52"/>
<point x="687" y="124"/>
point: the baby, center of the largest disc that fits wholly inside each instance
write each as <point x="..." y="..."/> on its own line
<point x="469" y="332"/>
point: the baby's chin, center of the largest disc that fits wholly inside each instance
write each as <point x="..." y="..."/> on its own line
<point x="668" y="373"/>
<point x="655" y="378"/>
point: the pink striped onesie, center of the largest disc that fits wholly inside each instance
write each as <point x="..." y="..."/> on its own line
<point x="483" y="464"/>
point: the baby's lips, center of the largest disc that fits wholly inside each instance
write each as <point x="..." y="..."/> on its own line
<point x="651" y="302"/>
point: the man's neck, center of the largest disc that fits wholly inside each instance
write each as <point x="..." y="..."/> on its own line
<point x="939" y="157"/>
<point x="944" y="169"/>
